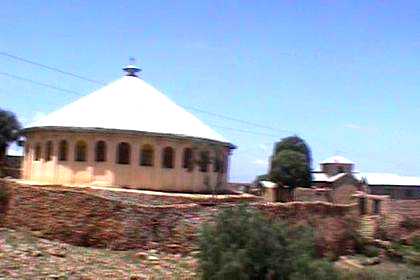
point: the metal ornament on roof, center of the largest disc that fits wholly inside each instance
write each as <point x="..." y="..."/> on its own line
<point x="132" y="69"/>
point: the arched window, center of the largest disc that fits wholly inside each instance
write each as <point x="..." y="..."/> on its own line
<point x="81" y="151"/>
<point x="48" y="151"/>
<point x="38" y="151"/>
<point x="204" y="161"/>
<point x="146" y="155"/>
<point x="168" y="158"/>
<point x="123" y="153"/>
<point x="63" y="150"/>
<point x="100" y="151"/>
<point x="187" y="160"/>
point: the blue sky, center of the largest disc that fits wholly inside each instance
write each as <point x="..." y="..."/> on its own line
<point x="344" y="75"/>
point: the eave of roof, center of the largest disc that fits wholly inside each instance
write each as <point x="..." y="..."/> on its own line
<point x="323" y="178"/>
<point x="129" y="132"/>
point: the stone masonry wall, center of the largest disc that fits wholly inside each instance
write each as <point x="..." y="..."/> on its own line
<point x="84" y="219"/>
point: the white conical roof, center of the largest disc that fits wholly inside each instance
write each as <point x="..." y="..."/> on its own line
<point x="129" y="104"/>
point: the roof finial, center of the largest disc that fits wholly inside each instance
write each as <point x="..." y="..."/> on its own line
<point x="131" y="69"/>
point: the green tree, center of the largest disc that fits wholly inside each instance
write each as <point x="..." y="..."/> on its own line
<point x="243" y="244"/>
<point x="290" y="168"/>
<point x="294" y="143"/>
<point x="291" y="163"/>
<point x="9" y="132"/>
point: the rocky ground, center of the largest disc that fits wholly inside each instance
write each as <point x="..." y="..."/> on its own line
<point x="24" y="256"/>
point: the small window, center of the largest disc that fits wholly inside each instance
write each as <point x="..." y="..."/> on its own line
<point x="187" y="161"/>
<point x="100" y="151"/>
<point x="168" y="158"/>
<point x="223" y="165"/>
<point x="81" y="151"/>
<point x="204" y="161"/>
<point x="48" y="151"/>
<point x="146" y="155"/>
<point x="38" y="151"/>
<point x="123" y="153"/>
<point x="63" y="150"/>
<point x="217" y="165"/>
<point x="376" y="207"/>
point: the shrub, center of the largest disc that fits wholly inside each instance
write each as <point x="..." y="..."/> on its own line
<point x="416" y="243"/>
<point x="4" y="198"/>
<point x="410" y="223"/>
<point x="370" y="274"/>
<point x="371" y="251"/>
<point x="367" y="274"/>
<point x="318" y="269"/>
<point x="242" y="244"/>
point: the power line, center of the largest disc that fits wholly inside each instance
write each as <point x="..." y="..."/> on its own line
<point x="243" y="130"/>
<point x="39" y="83"/>
<point x="102" y="83"/>
<point x="238" y="120"/>
<point x="79" y="94"/>
<point x="50" y="68"/>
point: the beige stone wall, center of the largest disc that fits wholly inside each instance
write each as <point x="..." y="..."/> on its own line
<point x="110" y="173"/>
<point x="344" y="189"/>
<point x="343" y="194"/>
<point x="271" y="194"/>
<point x="309" y="194"/>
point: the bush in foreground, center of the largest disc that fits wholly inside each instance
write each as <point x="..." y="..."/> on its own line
<point x="4" y="198"/>
<point x="242" y="244"/>
<point x="370" y="274"/>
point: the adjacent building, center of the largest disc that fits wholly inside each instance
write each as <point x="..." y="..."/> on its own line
<point x="338" y="172"/>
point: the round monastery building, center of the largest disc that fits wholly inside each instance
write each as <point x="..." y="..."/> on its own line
<point x="126" y="134"/>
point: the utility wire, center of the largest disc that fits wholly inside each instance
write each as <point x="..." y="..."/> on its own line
<point x="50" y="68"/>
<point x="102" y="83"/>
<point x="79" y="94"/>
<point x="243" y="130"/>
<point x="39" y="83"/>
<point x="237" y="120"/>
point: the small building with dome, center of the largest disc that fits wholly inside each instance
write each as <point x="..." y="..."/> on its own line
<point x="127" y="134"/>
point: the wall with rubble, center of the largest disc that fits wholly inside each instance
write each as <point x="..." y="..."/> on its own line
<point x="86" y="219"/>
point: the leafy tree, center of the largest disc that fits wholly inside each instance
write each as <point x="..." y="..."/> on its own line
<point x="291" y="163"/>
<point x="264" y="177"/>
<point x="294" y="143"/>
<point x="9" y="132"/>
<point x="243" y="244"/>
<point x="290" y="168"/>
